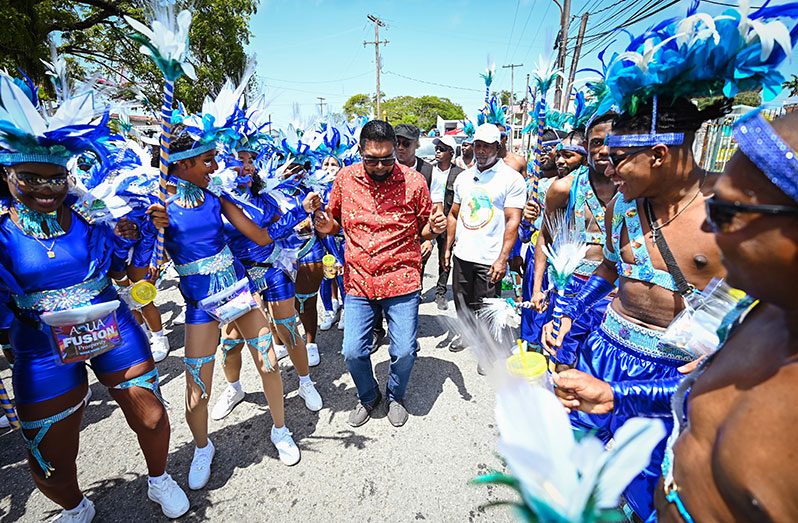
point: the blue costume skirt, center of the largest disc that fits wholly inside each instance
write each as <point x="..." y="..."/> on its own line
<point x="197" y="287"/>
<point x="272" y="283"/>
<point x="623" y="351"/>
<point x="38" y="372"/>
<point x="532" y="322"/>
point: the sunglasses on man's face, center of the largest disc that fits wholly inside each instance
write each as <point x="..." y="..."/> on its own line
<point x="373" y="162"/>
<point x="441" y="149"/>
<point x="720" y="213"/>
<point x="404" y="142"/>
<point x="617" y="158"/>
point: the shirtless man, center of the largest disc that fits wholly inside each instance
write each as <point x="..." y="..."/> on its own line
<point x="511" y="159"/>
<point x="667" y="180"/>
<point x="729" y="479"/>
<point x="594" y="191"/>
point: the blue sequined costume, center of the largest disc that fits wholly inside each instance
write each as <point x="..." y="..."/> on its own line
<point x="195" y="241"/>
<point x="75" y="277"/>
<point x="270" y="281"/>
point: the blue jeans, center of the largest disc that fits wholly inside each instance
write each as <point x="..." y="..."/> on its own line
<point x="402" y="315"/>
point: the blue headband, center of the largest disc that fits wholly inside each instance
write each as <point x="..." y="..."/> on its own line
<point x="760" y="143"/>
<point x="646" y="140"/>
<point x="573" y="148"/>
<point x="7" y="158"/>
<point x="196" y="150"/>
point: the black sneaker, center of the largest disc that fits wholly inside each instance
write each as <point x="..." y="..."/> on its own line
<point x="441" y="302"/>
<point x="362" y="413"/>
<point x="397" y="413"/>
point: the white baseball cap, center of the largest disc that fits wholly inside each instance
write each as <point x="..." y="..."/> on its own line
<point x="446" y="140"/>
<point x="488" y="133"/>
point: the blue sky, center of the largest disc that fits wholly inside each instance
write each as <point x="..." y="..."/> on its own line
<point x="307" y="49"/>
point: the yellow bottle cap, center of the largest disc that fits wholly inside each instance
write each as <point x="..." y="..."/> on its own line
<point x="526" y="365"/>
<point x="143" y="292"/>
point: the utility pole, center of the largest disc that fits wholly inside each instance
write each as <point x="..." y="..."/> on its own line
<point x="512" y="67"/>
<point x="565" y="20"/>
<point x="376" y="43"/>
<point x="525" y="112"/>
<point x="566" y="96"/>
<point x="321" y="104"/>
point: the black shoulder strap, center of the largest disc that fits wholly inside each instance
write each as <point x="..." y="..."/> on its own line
<point x="673" y="268"/>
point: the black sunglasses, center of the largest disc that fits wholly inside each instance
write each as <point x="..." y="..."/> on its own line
<point x="404" y="142"/>
<point x="616" y="158"/>
<point x="442" y="149"/>
<point x="373" y="162"/>
<point x="720" y="214"/>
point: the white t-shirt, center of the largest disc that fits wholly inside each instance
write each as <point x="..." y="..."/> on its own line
<point x="437" y="190"/>
<point x="483" y="196"/>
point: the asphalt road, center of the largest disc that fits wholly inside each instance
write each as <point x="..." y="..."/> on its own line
<point x="372" y="473"/>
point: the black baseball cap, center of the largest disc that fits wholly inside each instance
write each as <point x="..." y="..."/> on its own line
<point x="406" y="130"/>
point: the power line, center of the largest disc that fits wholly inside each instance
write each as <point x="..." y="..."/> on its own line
<point x="434" y="83"/>
<point x="317" y="82"/>
<point x="512" y="30"/>
<point x="526" y="23"/>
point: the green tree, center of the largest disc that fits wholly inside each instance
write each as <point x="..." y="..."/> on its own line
<point x="792" y="85"/>
<point x="421" y="111"/>
<point x="750" y="98"/>
<point x="95" y="40"/>
<point x="358" y="105"/>
<point x="503" y="96"/>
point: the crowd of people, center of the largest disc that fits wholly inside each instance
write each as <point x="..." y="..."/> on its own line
<point x="258" y="224"/>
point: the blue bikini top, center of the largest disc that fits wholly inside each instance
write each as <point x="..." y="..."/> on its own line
<point x="626" y="213"/>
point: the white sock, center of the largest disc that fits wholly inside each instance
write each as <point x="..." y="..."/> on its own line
<point x="313" y="344"/>
<point x="158" y="334"/>
<point x="279" y="432"/>
<point x="304" y="379"/>
<point x="154" y="480"/>
<point x="236" y="386"/>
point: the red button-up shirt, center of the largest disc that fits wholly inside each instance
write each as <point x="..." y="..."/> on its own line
<point x="382" y="223"/>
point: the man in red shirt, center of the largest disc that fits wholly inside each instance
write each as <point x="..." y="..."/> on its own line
<point x="385" y="210"/>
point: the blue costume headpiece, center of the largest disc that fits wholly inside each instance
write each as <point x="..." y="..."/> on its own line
<point x="28" y="135"/>
<point x="252" y="130"/>
<point x="765" y="148"/>
<point x="700" y="56"/>
<point x="219" y="120"/>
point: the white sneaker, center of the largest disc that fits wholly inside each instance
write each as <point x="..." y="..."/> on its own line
<point x="200" y="471"/>
<point x="341" y="320"/>
<point x="168" y="494"/>
<point x="286" y="448"/>
<point x="83" y="513"/>
<point x="225" y="404"/>
<point x="308" y="392"/>
<point x="4" y="423"/>
<point x="160" y="347"/>
<point x="327" y="320"/>
<point x="280" y="351"/>
<point x="313" y="354"/>
<point x="336" y="306"/>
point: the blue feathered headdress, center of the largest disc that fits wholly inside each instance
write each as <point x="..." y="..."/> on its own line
<point x="702" y="56"/>
<point x="493" y="112"/>
<point x="26" y="135"/>
<point x="219" y="121"/>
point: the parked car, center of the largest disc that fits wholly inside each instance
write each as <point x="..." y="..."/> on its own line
<point x="426" y="149"/>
